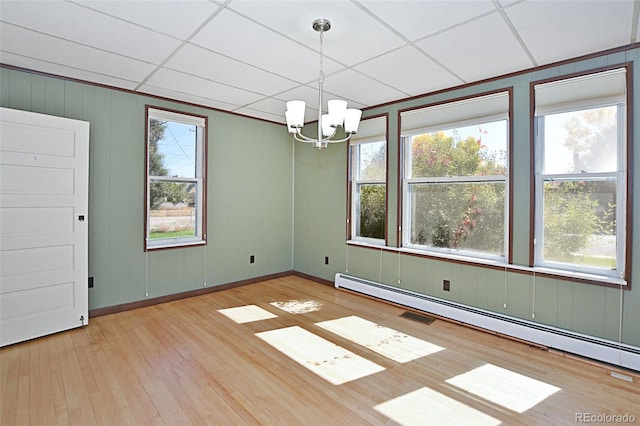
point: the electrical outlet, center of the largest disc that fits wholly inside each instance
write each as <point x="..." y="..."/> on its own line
<point x="446" y="285"/>
<point x="252" y="259"/>
<point x="326" y="260"/>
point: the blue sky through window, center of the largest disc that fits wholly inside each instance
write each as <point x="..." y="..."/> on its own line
<point x="179" y="149"/>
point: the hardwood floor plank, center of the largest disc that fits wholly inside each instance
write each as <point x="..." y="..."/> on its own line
<point x="9" y="379"/>
<point x="183" y="362"/>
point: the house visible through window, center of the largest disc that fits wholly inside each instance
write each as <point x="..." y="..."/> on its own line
<point x="580" y="185"/>
<point x="456" y="176"/>
<point x="369" y="181"/>
<point x="175" y="193"/>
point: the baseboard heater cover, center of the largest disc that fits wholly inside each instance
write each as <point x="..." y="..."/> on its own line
<point x="608" y="351"/>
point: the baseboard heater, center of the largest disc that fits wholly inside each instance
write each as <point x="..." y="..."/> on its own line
<point x="615" y="353"/>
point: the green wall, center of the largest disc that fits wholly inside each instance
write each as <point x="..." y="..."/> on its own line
<point x="286" y="204"/>
<point x="320" y="228"/>
<point x="249" y="209"/>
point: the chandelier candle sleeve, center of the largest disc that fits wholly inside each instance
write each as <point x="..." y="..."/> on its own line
<point x="338" y="115"/>
<point x="295" y="113"/>
<point x="352" y="120"/>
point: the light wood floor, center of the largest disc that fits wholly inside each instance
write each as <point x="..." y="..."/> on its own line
<point x="184" y="363"/>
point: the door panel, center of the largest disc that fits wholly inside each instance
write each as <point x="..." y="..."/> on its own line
<point x="43" y="224"/>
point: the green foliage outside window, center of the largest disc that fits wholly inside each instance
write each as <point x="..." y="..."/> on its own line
<point x="580" y="212"/>
<point x="372" y="196"/>
<point x="372" y="209"/>
<point x="456" y="215"/>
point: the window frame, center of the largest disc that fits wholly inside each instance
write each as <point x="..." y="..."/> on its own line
<point x="199" y="179"/>
<point x="622" y="274"/>
<point x="367" y="135"/>
<point x="407" y="181"/>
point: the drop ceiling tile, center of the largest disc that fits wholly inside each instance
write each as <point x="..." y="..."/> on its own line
<point x="355" y="36"/>
<point x="480" y="49"/>
<point x="274" y="107"/>
<point x="49" y="49"/>
<point x="560" y="30"/>
<point x="409" y="71"/>
<point x="303" y="93"/>
<point x="283" y="56"/>
<point x="356" y="87"/>
<point x="265" y="115"/>
<point x="80" y="25"/>
<point x="417" y="19"/>
<point x="159" y="15"/>
<point x="63" y="70"/>
<point x="207" y="89"/>
<point x="187" y="97"/>
<point x="212" y="66"/>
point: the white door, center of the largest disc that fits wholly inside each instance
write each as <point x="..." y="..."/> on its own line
<point x="44" y="162"/>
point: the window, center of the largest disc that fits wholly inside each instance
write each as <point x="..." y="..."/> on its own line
<point x="580" y="179"/>
<point x="368" y="177"/>
<point x="175" y="179"/>
<point x="455" y="182"/>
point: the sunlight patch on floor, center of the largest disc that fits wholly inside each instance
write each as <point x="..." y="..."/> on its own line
<point x="248" y="313"/>
<point x="385" y="341"/>
<point x="298" y="306"/>
<point x="426" y="406"/>
<point x="326" y="359"/>
<point x="504" y="387"/>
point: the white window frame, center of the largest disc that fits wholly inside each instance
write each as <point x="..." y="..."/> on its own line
<point x="371" y="130"/>
<point x="443" y="117"/>
<point x="199" y="180"/>
<point x="595" y="98"/>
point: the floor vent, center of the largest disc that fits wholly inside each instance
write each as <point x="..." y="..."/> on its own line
<point x="418" y="317"/>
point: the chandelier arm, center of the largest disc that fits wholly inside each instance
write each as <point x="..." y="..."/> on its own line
<point x="340" y="140"/>
<point x="302" y="138"/>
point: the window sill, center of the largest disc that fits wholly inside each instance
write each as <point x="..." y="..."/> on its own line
<point x="164" y="245"/>
<point x="546" y="272"/>
<point x="368" y="243"/>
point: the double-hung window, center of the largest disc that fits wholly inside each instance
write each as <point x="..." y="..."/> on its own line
<point x="369" y="181"/>
<point x="455" y="183"/>
<point x="175" y="179"/>
<point x="580" y="174"/>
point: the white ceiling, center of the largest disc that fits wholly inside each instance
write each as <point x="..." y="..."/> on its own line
<point x="250" y="57"/>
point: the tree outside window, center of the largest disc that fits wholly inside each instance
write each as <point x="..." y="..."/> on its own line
<point x="456" y="189"/>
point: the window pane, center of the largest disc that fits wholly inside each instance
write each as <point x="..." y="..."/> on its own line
<point x="372" y="161"/>
<point x="581" y="141"/>
<point x="459" y="216"/>
<point x="477" y="150"/>
<point x="580" y="223"/>
<point x="172" y="149"/>
<point x="172" y="213"/>
<point x="371" y="211"/>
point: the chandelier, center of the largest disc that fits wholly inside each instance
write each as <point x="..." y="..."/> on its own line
<point x="338" y="114"/>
